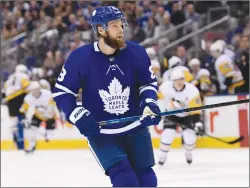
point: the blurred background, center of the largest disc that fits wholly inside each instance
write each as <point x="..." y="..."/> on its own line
<point x="42" y="34"/>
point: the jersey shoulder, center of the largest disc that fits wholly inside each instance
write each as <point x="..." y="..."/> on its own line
<point x="183" y="68"/>
<point x="191" y="89"/>
<point x="223" y="59"/>
<point x="46" y="92"/>
<point x="22" y="75"/>
<point x="28" y="98"/>
<point x="137" y="50"/>
<point x="166" y="87"/>
<point x="81" y="54"/>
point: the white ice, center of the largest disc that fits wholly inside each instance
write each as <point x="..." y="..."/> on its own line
<point x="75" y="168"/>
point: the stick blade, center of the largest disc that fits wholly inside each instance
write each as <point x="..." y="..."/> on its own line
<point x="237" y="140"/>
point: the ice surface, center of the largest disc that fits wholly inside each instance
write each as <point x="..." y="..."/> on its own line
<point x="72" y="168"/>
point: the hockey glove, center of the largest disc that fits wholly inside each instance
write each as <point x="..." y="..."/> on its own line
<point x="199" y="129"/>
<point x="86" y="124"/>
<point x="150" y="114"/>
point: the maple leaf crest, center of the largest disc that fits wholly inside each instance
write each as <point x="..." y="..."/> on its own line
<point x="115" y="101"/>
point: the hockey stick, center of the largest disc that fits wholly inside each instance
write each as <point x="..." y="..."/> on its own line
<point x="227" y="142"/>
<point x="173" y="112"/>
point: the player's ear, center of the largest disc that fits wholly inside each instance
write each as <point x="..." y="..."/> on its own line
<point x="100" y="30"/>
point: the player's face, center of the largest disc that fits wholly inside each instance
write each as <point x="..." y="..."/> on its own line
<point x="195" y="68"/>
<point x="36" y="93"/>
<point x="215" y="54"/>
<point x="114" y="35"/>
<point x="179" y="84"/>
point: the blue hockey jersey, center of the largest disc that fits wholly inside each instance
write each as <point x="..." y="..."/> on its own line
<point x="112" y="86"/>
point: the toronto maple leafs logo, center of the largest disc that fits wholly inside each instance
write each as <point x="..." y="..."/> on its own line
<point x="115" y="101"/>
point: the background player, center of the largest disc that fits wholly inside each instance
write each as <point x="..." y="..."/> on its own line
<point x="180" y="94"/>
<point x="38" y="107"/>
<point x="229" y="76"/>
<point x="117" y="81"/>
<point x="15" y="89"/>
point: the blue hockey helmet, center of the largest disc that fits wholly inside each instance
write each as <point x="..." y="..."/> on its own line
<point x="102" y="15"/>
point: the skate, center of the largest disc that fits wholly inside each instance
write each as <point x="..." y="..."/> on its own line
<point x="162" y="161"/>
<point x="46" y="137"/>
<point x="189" y="157"/>
<point x="31" y="149"/>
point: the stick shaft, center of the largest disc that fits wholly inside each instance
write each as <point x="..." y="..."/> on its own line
<point x="173" y="112"/>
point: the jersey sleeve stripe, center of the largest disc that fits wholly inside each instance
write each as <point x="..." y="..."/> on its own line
<point x="147" y="88"/>
<point x="65" y="89"/>
<point x="153" y="84"/>
<point x="58" y="94"/>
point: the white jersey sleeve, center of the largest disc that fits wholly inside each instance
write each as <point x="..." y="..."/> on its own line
<point x="225" y="68"/>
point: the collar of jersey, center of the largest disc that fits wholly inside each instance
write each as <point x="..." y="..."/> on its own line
<point x="181" y="89"/>
<point x="97" y="49"/>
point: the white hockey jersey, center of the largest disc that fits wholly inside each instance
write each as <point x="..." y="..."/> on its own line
<point x="16" y="85"/>
<point x="187" y="98"/>
<point x="225" y="68"/>
<point x="188" y="76"/>
<point x="43" y="107"/>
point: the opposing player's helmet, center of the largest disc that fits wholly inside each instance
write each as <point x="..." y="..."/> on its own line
<point x="39" y="72"/>
<point x="193" y="62"/>
<point x="44" y="84"/>
<point x="34" y="85"/>
<point x="203" y="72"/>
<point x="21" y="68"/>
<point x="151" y="53"/>
<point x="173" y="61"/>
<point x="216" y="47"/>
<point x="221" y="42"/>
<point x="176" y="74"/>
<point x="102" y="15"/>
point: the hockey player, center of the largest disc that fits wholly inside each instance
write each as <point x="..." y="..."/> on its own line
<point x="226" y="50"/>
<point x="175" y="63"/>
<point x="38" y="107"/>
<point x="202" y="78"/>
<point x="229" y="77"/>
<point x="194" y="65"/>
<point x="204" y="83"/>
<point x="117" y="81"/>
<point x="179" y="94"/>
<point x="154" y="62"/>
<point x="45" y="84"/>
<point x="15" y="89"/>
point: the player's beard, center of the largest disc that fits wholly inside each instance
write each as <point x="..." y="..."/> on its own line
<point x="115" y="43"/>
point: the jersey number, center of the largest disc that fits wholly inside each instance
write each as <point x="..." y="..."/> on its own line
<point x="62" y="75"/>
<point x="152" y="72"/>
<point x="13" y="81"/>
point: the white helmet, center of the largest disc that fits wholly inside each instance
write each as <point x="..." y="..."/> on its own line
<point x="45" y="84"/>
<point x="194" y="61"/>
<point x="151" y="53"/>
<point x="21" y="68"/>
<point x="150" y="50"/>
<point x="34" y="85"/>
<point x="174" y="60"/>
<point x="39" y="72"/>
<point x="176" y="74"/>
<point x="216" y="47"/>
<point x="203" y="72"/>
<point x="221" y="42"/>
